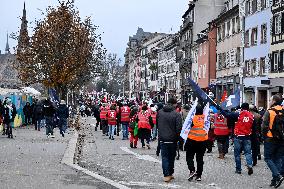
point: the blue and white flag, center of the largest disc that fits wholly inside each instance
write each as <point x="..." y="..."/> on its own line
<point x="188" y="121"/>
<point x="232" y="101"/>
<point x="206" y="113"/>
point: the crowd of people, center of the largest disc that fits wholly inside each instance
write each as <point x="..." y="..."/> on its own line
<point x="245" y="126"/>
<point x="41" y="113"/>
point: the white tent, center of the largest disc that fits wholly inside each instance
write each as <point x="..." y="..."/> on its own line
<point x="31" y="91"/>
<point x="9" y="91"/>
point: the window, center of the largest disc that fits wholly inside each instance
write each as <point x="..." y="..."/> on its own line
<point x="200" y="50"/>
<point x="204" y="71"/>
<point x="247" y="7"/>
<point x="263" y="4"/>
<point x="219" y="33"/>
<point x="204" y="49"/>
<point x="227" y="59"/>
<point x="277" y="24"/>
<point x="275" y="61"/>
<point x="281" y="61"/>
<point x="247" y="39"/>
<point x="233" y="25"/>
<point x="238" y="56"/>
<point x="262" y="66"/>
<point x="238" y="26"/>
<point x="200" y="71"/>
<point x="253" y="68"/>
<point x="254" y="37"/>
<point x="228" y="28"/>
<point x="223" y="30"/>
<point x="254" y="6"/>
<point x="263" y="33"/>
<point x="247" y="68"/>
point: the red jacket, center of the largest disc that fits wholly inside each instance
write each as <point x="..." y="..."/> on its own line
<point x="143" y="122"/>
<point x="111" y="117"/>
<point x="125" y="112"/>
<point x="154" y="117"/>
<point x="244" y="125"/>
<point x="220" y="124"/>
<point x="103" y="113"/>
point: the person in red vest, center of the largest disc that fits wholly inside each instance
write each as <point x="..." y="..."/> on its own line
<point x="125" y="112"/>
<point x="103" y="117"/>
<point x="112" y="118"/>
<point x="153" y="111"/>
<point x="242" y="134"/>
<point x="222" y="133"/>
<point x="145" y="125"/>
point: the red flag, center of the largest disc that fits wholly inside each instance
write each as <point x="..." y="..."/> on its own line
<point x="224" y="97"/>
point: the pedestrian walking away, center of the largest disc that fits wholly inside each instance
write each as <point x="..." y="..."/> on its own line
<point x="169" y="123"/>
<point x="9" y="114"/>
<point x="63" y="114"/>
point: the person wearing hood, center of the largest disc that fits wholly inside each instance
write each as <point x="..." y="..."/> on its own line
<point x="9" y="114"/>
<point x="63" y="114"/>
<point x="49" y="111"/>
<point x="169" y="123"/>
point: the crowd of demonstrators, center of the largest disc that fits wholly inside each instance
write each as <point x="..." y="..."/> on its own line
<point x="246" y="126"/>
<point x="42" y="113"/>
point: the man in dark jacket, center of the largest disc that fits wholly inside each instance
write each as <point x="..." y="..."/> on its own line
<point x="63" y="114"/>
<point x="49" y="112"/>
<point x="169" y="124"/>
<point x="38" y="114"/>
<point x="28" y="113"/>
<point x="9" y="114"/>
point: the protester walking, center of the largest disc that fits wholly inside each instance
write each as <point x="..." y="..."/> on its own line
<point x="242" y="133"/>
<point x="169" y="123"/>
<point x="274" y="140"/>
<point x="103" y="118"/>
<point x="63" y="114"/>
<point x="9" y="114"/>
<point x="222" y="133"/>
<point x="133" y="134"/>
<point x="125" y="113"/>
<point x="196" y="144"/>
<point x="49" y="111"/>
<point x="112" y="120"/>
<point x="38" y="114"/>
<point x="28" y="113"/>
<point x="145" y="125"/>
<point x="153" y="111"/>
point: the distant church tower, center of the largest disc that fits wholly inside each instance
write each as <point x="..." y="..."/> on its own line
<point x="24" y="36"/>
<point x="7" y="49"/>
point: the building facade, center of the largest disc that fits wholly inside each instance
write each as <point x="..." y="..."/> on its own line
<point x="229" y="50"/>
<point x="276" y="74"/>
<point x="256" y="44"/>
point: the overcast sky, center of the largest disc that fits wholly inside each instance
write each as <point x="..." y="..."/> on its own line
<point x="118" y="19"/>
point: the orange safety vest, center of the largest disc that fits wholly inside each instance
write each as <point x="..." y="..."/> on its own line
<point x="197" y="132"/>
<point x="220" y="124"/>
<point x="143" y="122"/>
<point x="125" y="113"/>
<point x="272" y="115"/>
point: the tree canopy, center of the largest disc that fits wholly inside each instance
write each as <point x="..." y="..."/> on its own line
<point x="63" y="52"/>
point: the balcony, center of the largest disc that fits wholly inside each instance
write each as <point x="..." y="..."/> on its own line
<point x="186" y="24"/>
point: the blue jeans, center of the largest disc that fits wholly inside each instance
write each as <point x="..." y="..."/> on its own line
<point x="239" y="145"/>
<point x="273" y="155"/>
<point x="111" y="129"/>
<point x="124" y="130"/>
<point x="168" y="152"/>
<point x="154" y="131"/>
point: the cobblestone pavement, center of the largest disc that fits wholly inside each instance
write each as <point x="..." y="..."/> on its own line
<point x="141" y="168"/>
<point x="32" y="161"/>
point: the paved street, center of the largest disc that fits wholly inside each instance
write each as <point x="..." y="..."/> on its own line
<point x="140" y="168"/>
<point x="31" y="161"/>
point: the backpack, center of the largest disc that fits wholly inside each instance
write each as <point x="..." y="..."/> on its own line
<point x="278" y="125"/>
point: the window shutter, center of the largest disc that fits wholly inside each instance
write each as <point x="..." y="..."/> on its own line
<point x="280" y="64"/>
<point x="272" y="62"/>
<point x="282" y="23"/>
<point x="273" y="25"/>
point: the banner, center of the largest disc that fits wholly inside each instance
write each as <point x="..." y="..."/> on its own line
<point x="206" y="113"/>
<point x="200" y="92"/>
<point x="232" y="101"/>
<point x="188" y="121"/>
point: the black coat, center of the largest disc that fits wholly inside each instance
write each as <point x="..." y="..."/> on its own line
<point x="49" y="109"/>
<point x="7" y="118"/>
<point x="62" y="111"/>
<point x="169" y="124"/>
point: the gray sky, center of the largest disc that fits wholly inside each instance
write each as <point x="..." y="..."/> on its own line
<point x="118" y="19"/>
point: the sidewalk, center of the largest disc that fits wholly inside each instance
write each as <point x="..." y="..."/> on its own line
<point x="32" y="161"/>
